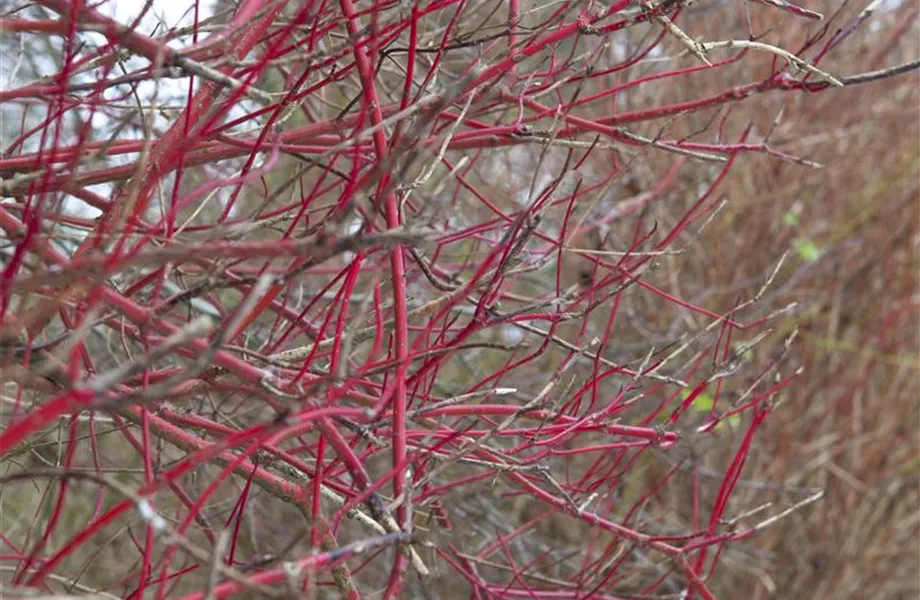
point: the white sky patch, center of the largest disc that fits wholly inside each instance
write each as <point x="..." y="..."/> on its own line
<point x="512" y="335"/>
<point x="163" y="13"/>
<point x="354" y="226"/>
<point x="163" y="98"/>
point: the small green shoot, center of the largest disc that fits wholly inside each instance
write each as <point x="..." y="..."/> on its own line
<point x="807" y="250"/>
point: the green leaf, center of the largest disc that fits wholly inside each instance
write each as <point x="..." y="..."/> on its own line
<point x="743" y="352"/>
<point x="704" y="403"/>
<point x="807" y="250"/>
<point x="790" y="218"/>
<point x="734" y="421"/>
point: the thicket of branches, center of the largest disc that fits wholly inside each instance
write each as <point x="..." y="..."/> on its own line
<point x="457" y="298"/>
